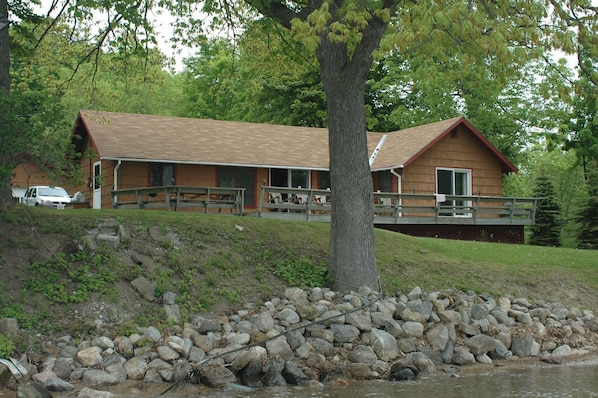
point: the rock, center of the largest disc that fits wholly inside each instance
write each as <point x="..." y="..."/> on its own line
<point x="333" y="316"/>
<point x="321" y="346"/>
<point x="153" y="334"/>
<point x="462" y="356"/>
<point x="540" y="313"/>
<point x="360" y="321"/>
<point x="503" y="303"/>
<point x="448" y="353"/>
<point x="264" y="322"/>
<point x="384" y="344"/>
<point x="320" y="333"/>
<point x="58" y="385"/>
<point x="404" y="374"/>
<point x="97" y="378"/>
<point x="90" y="356"/>
<point x="480" y="344"/>
<point x="33" y="390"/>
<point x="438" y="337"/>
<point x="136" y="368"/>
<point x="104" y="240"/>
<point x="280" y="347"/>
<point x="293" y="374"/>
<point x="288" y="316"/>
<point x="479" y="311"/>
<point x="414" y="329"/>
<point x="522" y="346"/>
<point x="63" y="367"/>
<point x="273" y="376"/>
<point x="103" y="342"/>
<point x="166" y="353"/>
<point x="468" y="330"/>
<point x="361" y="371"/>
<point x="418" y="361"/>
<point x="363" y="354"/>
<point x="434" y="355"/>
<point x="296" y="294"/>
<point x="43" y="376"/>
<point x="483" y="358"/>
<point x="500" y="351"/>
<point x="251" y="374"/>
<point x="295" y="339"/>
<point x="216" y="376"/>
<point x="450" y="316"/>
<point x="344" y="333"/>
<point x="502" y="316"/>
<point x="412" y="316"/>
<point x="89" y="393"/>
<point x="408" y="344"/>
<point x="521" y="301"/>
<point x="415" y="293"/>
<point x="557" y="355"/>
<point x="424" y="308"/>
<point x="209" y="325"/>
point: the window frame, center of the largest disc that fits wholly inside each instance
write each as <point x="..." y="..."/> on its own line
<point x="162" y="170"/>
<point x="450" y="206"/>
<point x="291" y="177"/>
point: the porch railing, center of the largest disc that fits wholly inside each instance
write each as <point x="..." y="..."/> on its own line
<point x="396" y="208"/>
<point x="180" y="197"/>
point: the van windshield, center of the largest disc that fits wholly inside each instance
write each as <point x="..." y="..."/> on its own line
<point x="52" y="191"/>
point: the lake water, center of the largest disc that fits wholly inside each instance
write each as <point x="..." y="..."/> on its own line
<point x="576" y="379"/>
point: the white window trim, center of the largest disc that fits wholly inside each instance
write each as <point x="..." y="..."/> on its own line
<point x="469" y="187"/>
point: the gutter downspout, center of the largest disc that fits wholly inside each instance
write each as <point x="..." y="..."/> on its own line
<point x="399" y="186"/>
<point x="115" y="183"/>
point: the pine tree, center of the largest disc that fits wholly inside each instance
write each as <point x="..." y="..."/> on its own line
<point x="587" y="217"/>
<point x="546" y="230"/>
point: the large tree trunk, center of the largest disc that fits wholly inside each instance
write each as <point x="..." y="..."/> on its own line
<point x="5" y="189"/>
<point x="352" y="261"/>
<point x="4" y="49"/>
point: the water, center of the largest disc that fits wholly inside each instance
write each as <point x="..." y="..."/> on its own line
<point x="578" y="379"/>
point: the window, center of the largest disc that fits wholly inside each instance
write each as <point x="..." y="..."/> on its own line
<point x="324" y="180"/>
<point x="385" y="181"/>
<point x="289" y="178"/>
<point x="454" y="182"/>
<point x="161" y="174"/>
<point x="239" y="177"/>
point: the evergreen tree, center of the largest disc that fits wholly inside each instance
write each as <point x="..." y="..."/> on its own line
<point x="546" y="230"/>
<point x="587" y="217"/>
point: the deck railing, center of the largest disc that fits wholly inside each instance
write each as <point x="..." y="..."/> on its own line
<point x="395" y="208"/>
<point x="180" y="197"/>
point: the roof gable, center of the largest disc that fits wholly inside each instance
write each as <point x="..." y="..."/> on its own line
<point x="123" y="136"/>
<point x="403" y="147"/>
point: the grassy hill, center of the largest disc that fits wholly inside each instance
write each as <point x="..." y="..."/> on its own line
<point x="52" y="280"/>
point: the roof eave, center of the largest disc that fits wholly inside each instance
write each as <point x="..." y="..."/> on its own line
<point x="256" y="165"/>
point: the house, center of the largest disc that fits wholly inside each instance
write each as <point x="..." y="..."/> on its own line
<point x="447" y="162"/>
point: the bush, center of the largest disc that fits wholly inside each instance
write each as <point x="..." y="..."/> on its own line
<point x="7" y="346"/>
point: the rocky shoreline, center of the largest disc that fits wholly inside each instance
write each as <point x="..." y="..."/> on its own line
<point x="311" y="338"/>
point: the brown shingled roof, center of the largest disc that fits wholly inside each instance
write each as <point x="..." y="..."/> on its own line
<point x="203" y="141"/>
<point x="184" y="140"/>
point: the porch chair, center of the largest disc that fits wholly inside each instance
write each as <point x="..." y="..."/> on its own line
<point x="275" y="198"/>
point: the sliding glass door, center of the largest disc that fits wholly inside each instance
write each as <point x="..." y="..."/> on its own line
<point x="454" y="182"/>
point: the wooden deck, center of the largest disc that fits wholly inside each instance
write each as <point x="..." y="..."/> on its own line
<point x="402" y="209"/>
<point x="314" y="205"/>
<point x="179" y="198"/>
